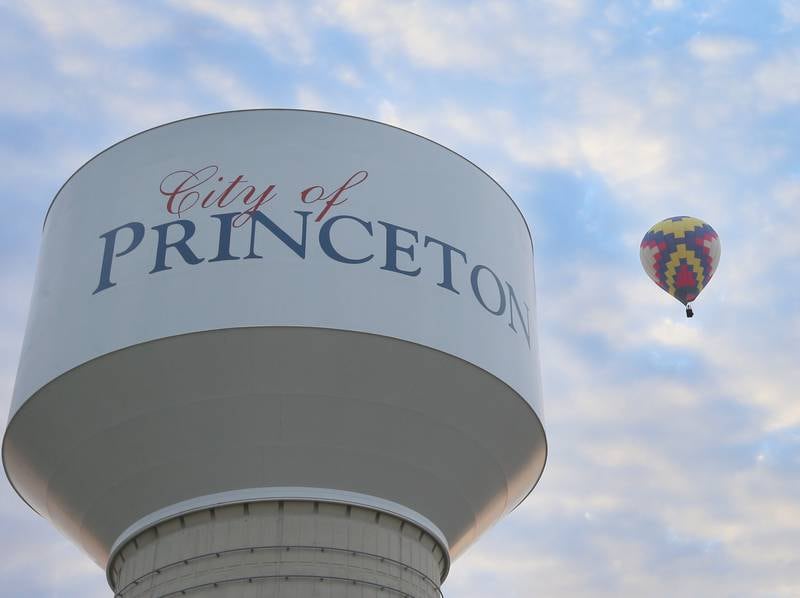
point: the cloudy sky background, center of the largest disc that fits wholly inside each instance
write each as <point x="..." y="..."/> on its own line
<point x="674" y="443"/>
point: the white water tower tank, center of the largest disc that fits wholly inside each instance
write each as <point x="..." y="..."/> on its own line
<point x="278" y="353"/>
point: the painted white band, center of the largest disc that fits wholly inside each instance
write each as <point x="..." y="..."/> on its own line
<point x="280" y="493"/>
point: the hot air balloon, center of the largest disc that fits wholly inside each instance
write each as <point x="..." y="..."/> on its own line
<point x="681" y="255"/>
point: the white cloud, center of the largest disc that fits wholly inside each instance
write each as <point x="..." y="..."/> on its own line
<point x="719" y="48"/>
<point x="87" y="80"/>
<point x="228" y="88"/>
<point x="790" y="10"/>
<point x="349" y="76"/>
<point x="111" y="24"/>
<point x="140" y="113"/>
<point x="623" y="153"/>
<point x="499" y="39"/>
<point x="310" y="99"/>
<point x="611" y="138"/>
<point x="281" y="28"/>
<point x="778" y="80"/>
<point x="419" y="122"/>
<point x="551" y="55"/>
<point x="42" y="563"/>
<point x="670" y="333"/>
<point x="657" y="461"/>
<point x="430" y="35"/>
<point x="665" y="4"/>
<point x="550" y="146"/>
<point x="567" y="10"/>
<point x="50" y="166"/>
<point x="24" y="94"/>
<point x="787" y="193"/>
<point x="643" y="128"/>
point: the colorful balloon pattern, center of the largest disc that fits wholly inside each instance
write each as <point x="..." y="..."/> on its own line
<point x="681" y="255"/>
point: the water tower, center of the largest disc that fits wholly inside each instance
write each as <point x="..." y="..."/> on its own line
<point x="278" y="353"/>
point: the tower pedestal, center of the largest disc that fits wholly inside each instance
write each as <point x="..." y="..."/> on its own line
<point x="280" y="549"/>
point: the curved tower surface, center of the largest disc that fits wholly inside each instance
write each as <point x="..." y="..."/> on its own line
<point x="278" y="353"/>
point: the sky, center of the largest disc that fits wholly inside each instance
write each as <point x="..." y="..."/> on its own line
<point x="674" y="444"/>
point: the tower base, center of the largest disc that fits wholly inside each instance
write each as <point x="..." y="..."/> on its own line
<point x="280" y="549"/>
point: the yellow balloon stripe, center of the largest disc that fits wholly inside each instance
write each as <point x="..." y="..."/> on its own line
<point x="694" y="262"/>
<point x="675" y="260"/>
<point x="679" y="228"/>
<point x="672" y="266"/>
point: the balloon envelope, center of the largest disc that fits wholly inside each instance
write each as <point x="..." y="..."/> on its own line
<point x="681" y="255"/>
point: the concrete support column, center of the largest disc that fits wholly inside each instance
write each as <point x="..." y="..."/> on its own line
<point x="281" y="549"/>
